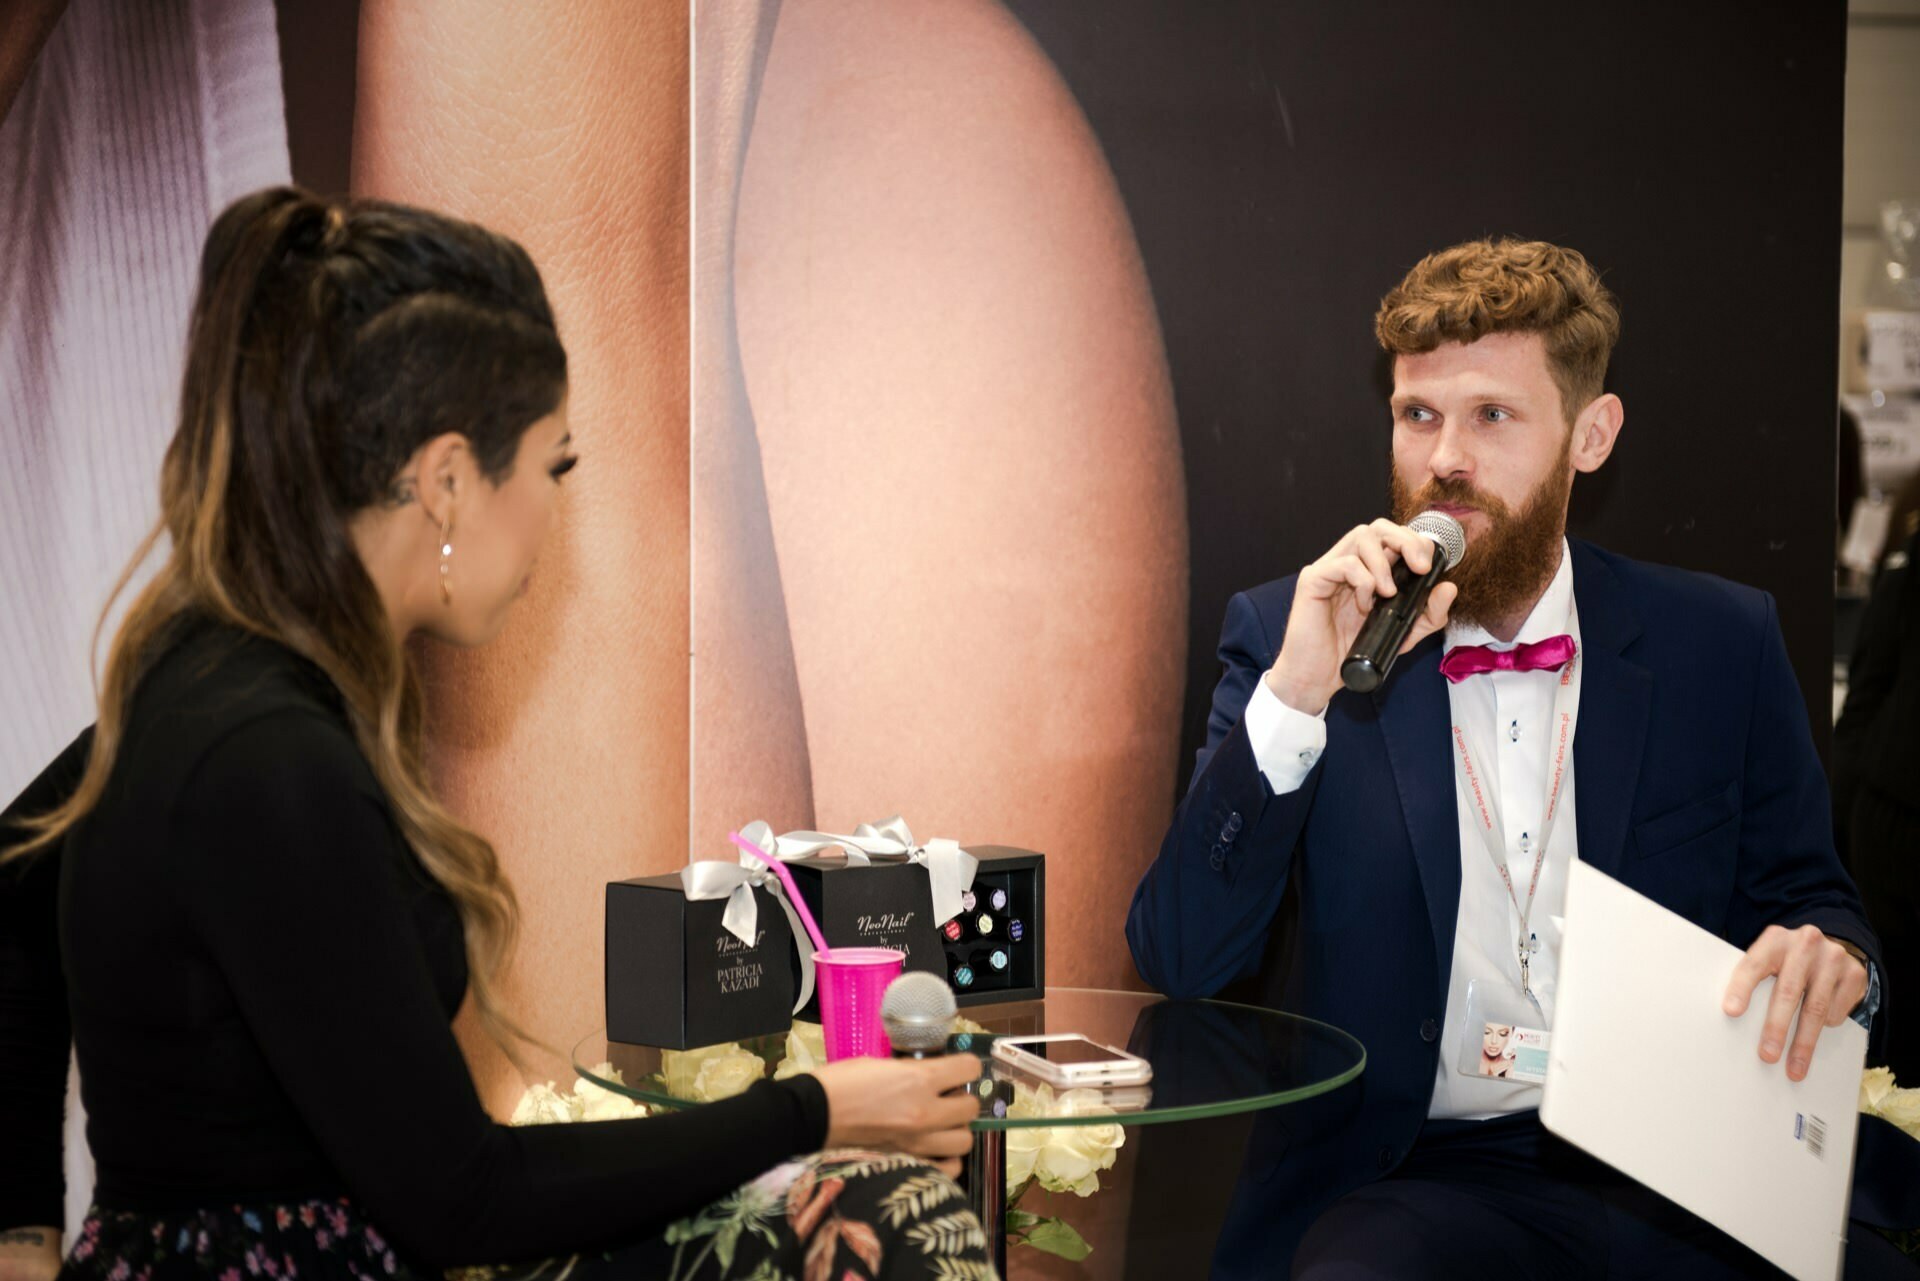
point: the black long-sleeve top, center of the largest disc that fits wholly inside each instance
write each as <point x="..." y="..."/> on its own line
<point x="260" y="978"/>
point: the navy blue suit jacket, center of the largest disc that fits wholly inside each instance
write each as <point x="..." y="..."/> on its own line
<point x="1698" y="786"/>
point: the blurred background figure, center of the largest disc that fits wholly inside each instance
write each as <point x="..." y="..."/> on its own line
<point x="126" y="128"/>
<point x="1876" y="777"/>
<point x="1876" y="740"/>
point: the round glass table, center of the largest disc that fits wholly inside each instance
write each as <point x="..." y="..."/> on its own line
<point x="1210" y="1058"/>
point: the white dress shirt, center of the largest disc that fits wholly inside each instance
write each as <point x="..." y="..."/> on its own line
<point x="1506" y="716"/>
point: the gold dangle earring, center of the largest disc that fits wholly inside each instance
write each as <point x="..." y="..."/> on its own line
<point x="446" y="555"/>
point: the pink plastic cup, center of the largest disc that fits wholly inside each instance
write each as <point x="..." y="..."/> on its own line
<point x="852" y="981"/>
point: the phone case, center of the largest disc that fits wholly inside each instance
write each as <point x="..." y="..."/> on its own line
<point x="1131" y="1069"/>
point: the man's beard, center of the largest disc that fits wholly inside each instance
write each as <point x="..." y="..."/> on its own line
<point x="1510" y="564"/>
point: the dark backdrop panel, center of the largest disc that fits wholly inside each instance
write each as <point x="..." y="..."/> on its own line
<point x="1286" y="162"/>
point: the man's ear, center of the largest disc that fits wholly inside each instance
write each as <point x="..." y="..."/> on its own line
<point x="1595" y="431"/>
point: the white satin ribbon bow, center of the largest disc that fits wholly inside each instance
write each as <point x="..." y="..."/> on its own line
<point x="950" y="869"/>
<point x="736" y="882"/>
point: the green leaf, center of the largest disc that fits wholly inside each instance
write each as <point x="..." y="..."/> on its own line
<point x="724" y="1242"/>
<point x="1056" y="1236"/>
<point x="1021" y="1220"/>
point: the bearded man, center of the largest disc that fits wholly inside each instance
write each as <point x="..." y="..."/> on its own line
<point x="1641" y="718"/>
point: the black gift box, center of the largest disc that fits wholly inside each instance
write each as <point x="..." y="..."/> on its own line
<point x="676" y="978"/>
<point x="882" y="904"/>
<point x="1021" y="876"/>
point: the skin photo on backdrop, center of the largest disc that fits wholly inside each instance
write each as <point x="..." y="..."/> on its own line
<point x="1424" y="906"/>
<point x="932" y="423"/>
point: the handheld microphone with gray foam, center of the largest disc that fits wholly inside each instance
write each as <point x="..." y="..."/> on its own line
<point x="1386" y="628"/>
<point x="918" y="1011"/>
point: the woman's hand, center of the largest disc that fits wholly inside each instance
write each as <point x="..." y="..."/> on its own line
<point x="29" y="1254"/>
<point x="905" y="1104"/>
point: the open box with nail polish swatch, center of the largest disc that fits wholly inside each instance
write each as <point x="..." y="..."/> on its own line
<point x="995" y="949"/>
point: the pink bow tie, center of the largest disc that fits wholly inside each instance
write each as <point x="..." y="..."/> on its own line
<point x="1463" y="661"/>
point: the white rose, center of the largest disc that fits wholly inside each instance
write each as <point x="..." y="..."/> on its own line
<point x="1875" y="1085"/>
<point x="1073" y="1160"/>
<point x="597" y="1103"/>
<point x="806" y="1050"/>
<point x="604" y="1070"/>
<point x="1902" y="1107"/>
<point x="1024" y="1143"/>
<point x="1023" y="1154"/>
<point x="725" y="1075"/>
<point x="544" y="1105"/>
<point x="1066" y="1158"/>
<point x="1030" y="1100"/>
<point x="1075" y="1154"/>
<point x="681" y="1068"/>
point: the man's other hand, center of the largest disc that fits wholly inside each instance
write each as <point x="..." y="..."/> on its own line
<point x="1813" y="975"/>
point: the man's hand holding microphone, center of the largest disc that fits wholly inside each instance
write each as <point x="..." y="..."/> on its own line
<point x="1336" y="596"/>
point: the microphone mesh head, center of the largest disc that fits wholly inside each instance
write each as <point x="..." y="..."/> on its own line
<point x="1446" y="533"/>
<point x="918" y="1011"/>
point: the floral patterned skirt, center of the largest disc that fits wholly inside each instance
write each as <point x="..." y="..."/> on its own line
<point x="838" y="1216"/>
<point x="233" y="1243"/>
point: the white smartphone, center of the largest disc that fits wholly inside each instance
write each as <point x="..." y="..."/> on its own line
<point x="1071" y="1060"/>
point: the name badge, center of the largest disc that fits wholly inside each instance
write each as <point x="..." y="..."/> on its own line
<point x="1507" y="1044"/>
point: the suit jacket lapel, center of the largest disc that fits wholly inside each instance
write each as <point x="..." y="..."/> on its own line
<point x="1615" y="694"/>
<point x="1415" y="719"/>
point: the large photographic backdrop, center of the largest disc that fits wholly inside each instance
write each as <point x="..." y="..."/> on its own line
<point x="1284" y="164"/>
<point x="1024" y="333"/>
<point x="1030" y="332"/>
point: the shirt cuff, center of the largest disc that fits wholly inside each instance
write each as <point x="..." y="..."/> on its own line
<point x="1287" y="743"/>
<point x="1870" y="1004"/>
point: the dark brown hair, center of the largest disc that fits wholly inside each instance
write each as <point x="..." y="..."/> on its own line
<point x="328" y="342"/>
<point x="1507" y="286"/>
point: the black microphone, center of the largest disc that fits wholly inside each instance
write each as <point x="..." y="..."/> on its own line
<point x="918" y="1011"/>
<point x="1386" y="628"/>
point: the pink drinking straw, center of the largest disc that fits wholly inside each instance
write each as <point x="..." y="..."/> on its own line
<point x="793" y="891"/>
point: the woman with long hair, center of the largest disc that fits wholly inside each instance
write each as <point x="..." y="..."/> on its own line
<point x="238" y="896"/>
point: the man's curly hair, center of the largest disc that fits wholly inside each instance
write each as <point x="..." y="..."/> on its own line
<point x="1508" y="286"/>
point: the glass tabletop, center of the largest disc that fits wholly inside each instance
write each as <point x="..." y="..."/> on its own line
<point x="1210" y="1058"/>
